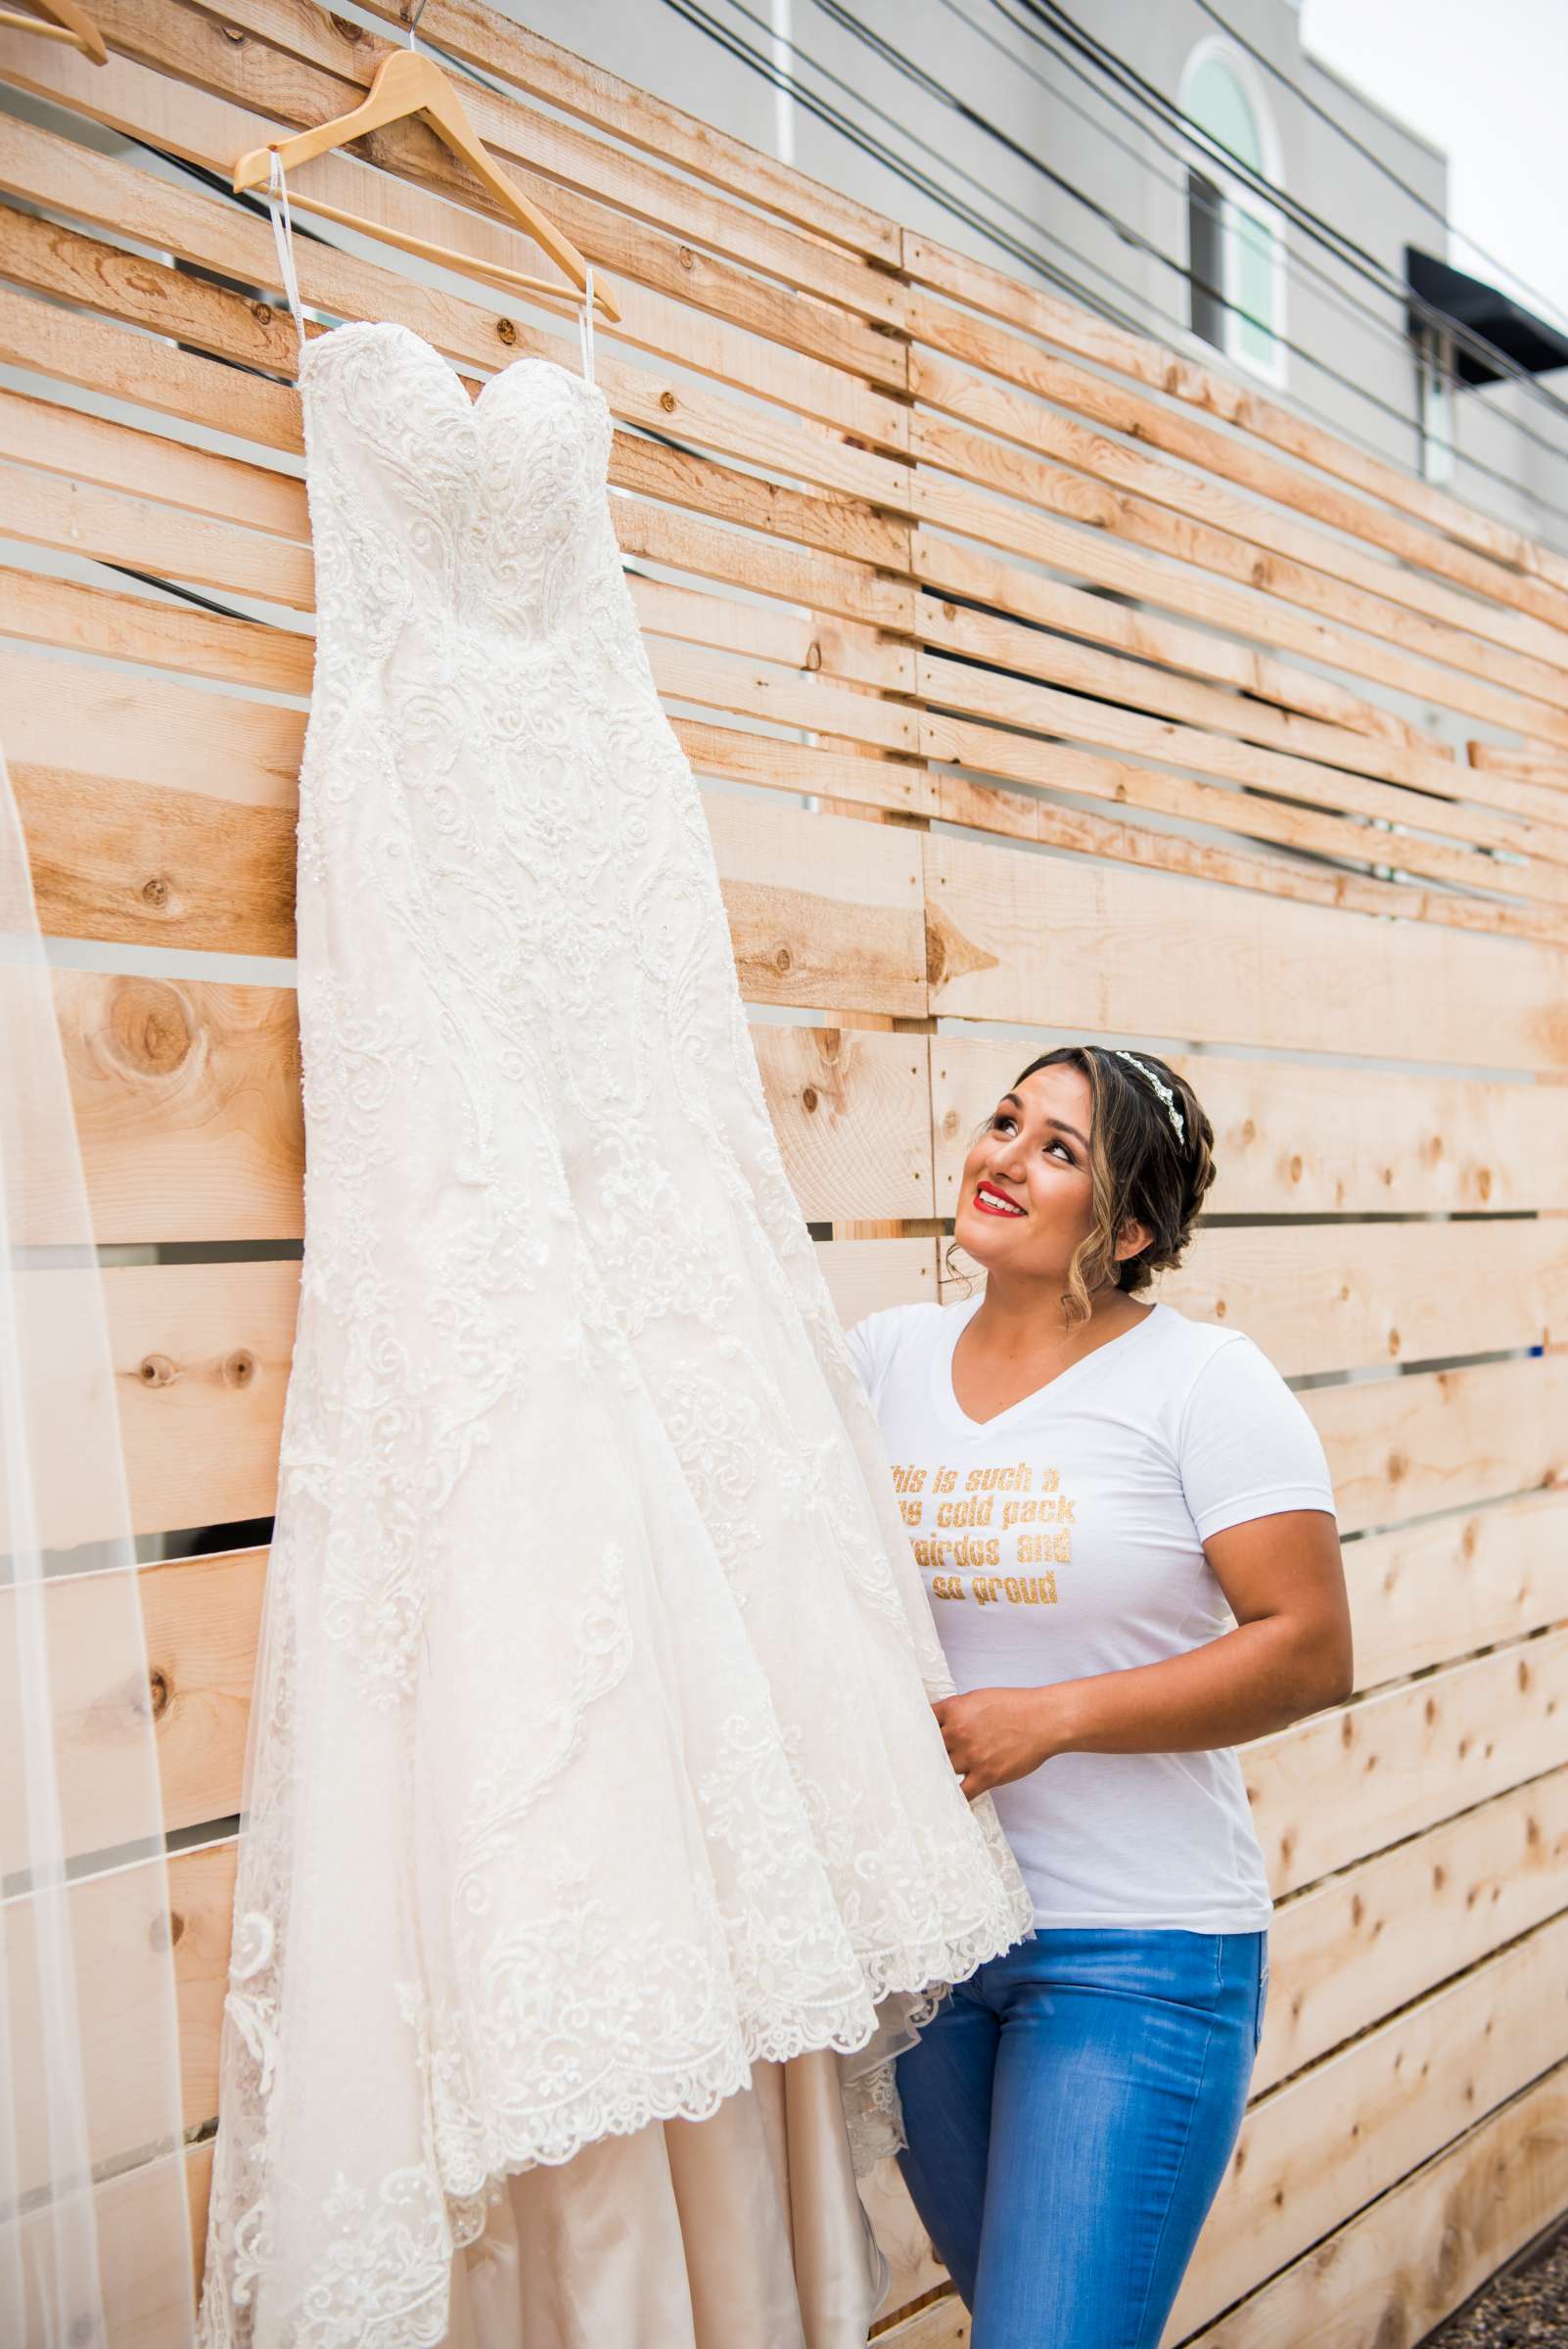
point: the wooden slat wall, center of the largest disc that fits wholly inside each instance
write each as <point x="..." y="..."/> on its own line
<point x="1040" y="682"/>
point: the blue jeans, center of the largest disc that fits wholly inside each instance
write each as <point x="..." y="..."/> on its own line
<point x="1071" y="2111"/>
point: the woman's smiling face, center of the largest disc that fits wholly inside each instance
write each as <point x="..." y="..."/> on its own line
<point x="1027" y="1199"/>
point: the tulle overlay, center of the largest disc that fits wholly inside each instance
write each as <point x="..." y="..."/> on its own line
<point x="591" y="1762"/>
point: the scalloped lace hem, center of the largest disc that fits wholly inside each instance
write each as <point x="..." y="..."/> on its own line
<point x="417" y="2318"/>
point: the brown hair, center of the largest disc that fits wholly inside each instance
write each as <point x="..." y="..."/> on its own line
<point x="1142" y="1170"/>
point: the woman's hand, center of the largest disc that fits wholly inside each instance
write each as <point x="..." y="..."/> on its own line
<point x="994" y="1735"/>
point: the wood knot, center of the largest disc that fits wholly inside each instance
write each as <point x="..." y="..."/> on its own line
<point x="1398" y="1468"/>
<point x="808" y="1099"/>
<point x="783" y="961"/>
<point x="1249" y="1129"/>
<point x="156" y="892"/>
<point x="159" y="1691"/>
<point x="1483" y="1181"/>
<point x="156" y="1370"/>
<point x="238" y="1368"/>
<point x="666" y="400"/>
<point x="506" y="330"/>
<point x="686" y="257"/>
<point x="1219" y="1309"/>
<point x="166" y="1931"/>
<point x="149" y="1026"/>
<point x="1393" y="1340"/>
<point x="1296" y="1169"/>
<point x="232" y="33"/>
<point x="346" y="30"/>
<point x="813" y="655"/>
<point x="263" y="312"/>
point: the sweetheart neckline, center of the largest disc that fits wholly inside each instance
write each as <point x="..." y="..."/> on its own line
<point x="396" y="326"/>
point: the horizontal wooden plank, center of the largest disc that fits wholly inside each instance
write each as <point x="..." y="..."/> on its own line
<point x="1263" y="685"/>
<point x="117" y="1926"/>
<point x="1400" y="2266"/>
<point x="1418" y="2254"/>
<point x="1401" y="1448"/>
<point x="188" y="1109"/>
<point x="1230" y="397"/>
<point x="121" y="725"/>
<point x="947" y="379"/>
<point x="947" y="686"/>
<point x="154" y="632"/>
<point x="1225" y="694"/>
<point x="1316" y="855"/>
<point x="487" y="38"/>
<point x="1021" y="936"/>
<point x="1366" y="1295"/>
<point x="1365" y="1943"/>
<point x="1293" y="1138"/>
<point x="174" y="93"/>
<point x="1038" y="451"/>
<point x="135" y="864"/>
<point x="1250" y="859"/>
<point x="1341" y="1296"/>
<point x="1106" y="557"/>
<point x="1413" y="2087"/>
<point x="200" y="1358"/>
<point x="1451" y="1585"/>
<point x="1352" y="1781"/>
<point x="145" y="2223"/>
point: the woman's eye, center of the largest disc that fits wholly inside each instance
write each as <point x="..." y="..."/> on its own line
<point x="1000" y="1120"/>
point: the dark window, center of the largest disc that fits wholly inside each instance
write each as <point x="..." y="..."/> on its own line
<point x="1205" y="259"/>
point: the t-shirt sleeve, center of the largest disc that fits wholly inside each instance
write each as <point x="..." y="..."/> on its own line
<point x="1247" y="1446"/>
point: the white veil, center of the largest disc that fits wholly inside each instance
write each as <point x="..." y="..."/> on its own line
<point x="95" y="2231"/>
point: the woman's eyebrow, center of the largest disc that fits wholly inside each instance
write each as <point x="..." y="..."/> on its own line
<point x="1060" y="1123"/>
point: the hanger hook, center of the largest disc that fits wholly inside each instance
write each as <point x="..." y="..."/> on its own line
<point x="413" y="22"/>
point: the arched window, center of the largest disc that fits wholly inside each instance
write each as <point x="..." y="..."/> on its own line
<point x="1235" y="239"/>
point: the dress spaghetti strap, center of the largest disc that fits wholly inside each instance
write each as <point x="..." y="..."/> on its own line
<point x="283" y="238"/>
<point x="586" y="323"/>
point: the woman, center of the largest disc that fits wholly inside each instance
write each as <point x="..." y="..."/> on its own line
<point x="1091" y="1482"/>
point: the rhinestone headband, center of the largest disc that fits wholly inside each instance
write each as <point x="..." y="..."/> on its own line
<point x="1160" y="1086"/>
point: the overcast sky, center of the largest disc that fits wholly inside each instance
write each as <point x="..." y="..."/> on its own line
<point x="1488" y="81"/>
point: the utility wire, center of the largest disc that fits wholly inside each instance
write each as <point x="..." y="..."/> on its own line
<point x="1290" y="208"/>
<point x="1326" y="114"/>
<point x="1122" y="229"/>
<point x="1297" y="265"/>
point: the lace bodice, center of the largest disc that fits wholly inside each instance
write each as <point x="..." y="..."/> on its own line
<point x="430" y="509"/>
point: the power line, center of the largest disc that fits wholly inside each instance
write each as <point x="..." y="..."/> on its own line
<point x="1311" y="223"/>
<point x="1325" y="113"/>
<point x="891" y="56"/>
<point x="1297" y="265"/>
<point x="769" y="69"/>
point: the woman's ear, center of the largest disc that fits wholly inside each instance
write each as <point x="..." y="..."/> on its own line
<point x="1130" y="1240"/>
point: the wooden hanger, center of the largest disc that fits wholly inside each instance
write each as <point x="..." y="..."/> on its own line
<point x="61" y="21"/>
<point x="408" y="82"/>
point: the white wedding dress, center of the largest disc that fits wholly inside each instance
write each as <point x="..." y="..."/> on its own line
<point x="591" y="1760"/>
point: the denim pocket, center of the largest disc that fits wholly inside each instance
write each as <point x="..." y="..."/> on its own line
<point x="1262" y="2001"/>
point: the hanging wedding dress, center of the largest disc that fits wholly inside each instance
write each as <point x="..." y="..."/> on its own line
<point x="591" y="1760"/>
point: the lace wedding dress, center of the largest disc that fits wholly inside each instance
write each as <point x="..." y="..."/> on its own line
<point x="591" y="1763"/>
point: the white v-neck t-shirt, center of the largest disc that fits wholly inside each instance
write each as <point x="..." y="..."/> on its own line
<point x="1064" y="1537"/>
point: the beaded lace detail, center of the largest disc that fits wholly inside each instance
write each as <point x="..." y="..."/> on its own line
<point x="591" y="1757"/>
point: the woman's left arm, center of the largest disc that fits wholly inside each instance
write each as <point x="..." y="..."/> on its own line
<point x="1289" y="1655"/>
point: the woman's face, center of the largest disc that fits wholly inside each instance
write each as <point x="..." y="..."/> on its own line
<point x="1027" y="1199"/>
